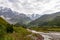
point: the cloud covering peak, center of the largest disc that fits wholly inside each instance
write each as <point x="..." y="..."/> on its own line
<point x="32" y="6"/>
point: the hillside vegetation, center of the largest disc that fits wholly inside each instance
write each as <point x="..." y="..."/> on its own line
<point x="3" y="22"/>
<point x="46" y="19"/>
<point x="12" y="32"/>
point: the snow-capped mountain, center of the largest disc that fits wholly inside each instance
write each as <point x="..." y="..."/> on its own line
<point x="13" y="16"/>
<point x="34" y="16"/>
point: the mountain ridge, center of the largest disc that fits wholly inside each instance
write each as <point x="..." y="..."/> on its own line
<point x="13" y="16"/>
<point x="44" y="18"/>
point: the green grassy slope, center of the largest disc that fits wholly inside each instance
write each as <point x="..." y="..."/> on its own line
<point x="3" y="22"/>
<point x="19" y="33"/>
<point x="45" y="18"/>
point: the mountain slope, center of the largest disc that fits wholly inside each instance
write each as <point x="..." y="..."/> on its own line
<point x="21" y="19"/>
<point x="3" y="22"/>
<point x="45" y="18"/>
<point x="33" y="16"/>
<point x="13" y="16"/>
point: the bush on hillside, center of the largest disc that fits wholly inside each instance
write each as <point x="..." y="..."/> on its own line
<point x="9" y="29"/>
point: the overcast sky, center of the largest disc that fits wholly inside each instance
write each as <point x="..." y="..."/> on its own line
<point x="32" y="6"/>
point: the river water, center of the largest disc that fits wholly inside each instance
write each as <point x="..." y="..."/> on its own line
<point x="48" y="36"/>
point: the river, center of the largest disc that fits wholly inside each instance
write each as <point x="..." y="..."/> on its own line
<point x="48" y="36"/>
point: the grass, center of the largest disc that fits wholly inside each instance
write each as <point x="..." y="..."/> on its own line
<point x="12" y="32"/>
<point x="3" y="22"/>
<point x="18" y="34"/>
<point x="46" y="29"/>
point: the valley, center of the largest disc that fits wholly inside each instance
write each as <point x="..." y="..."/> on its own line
<point x="19" y="26"/>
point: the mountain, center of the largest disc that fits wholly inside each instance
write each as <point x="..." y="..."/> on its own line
<point x="33" y="16"/>
<point x="13" y="16"/>
<point x="44" y="19"/>
<point x="21" y="19"/>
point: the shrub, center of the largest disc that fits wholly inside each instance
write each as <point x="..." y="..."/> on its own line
<point x="9" y="29"/>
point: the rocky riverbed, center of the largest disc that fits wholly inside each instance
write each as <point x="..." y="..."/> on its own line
<point x="48" y="36"/>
